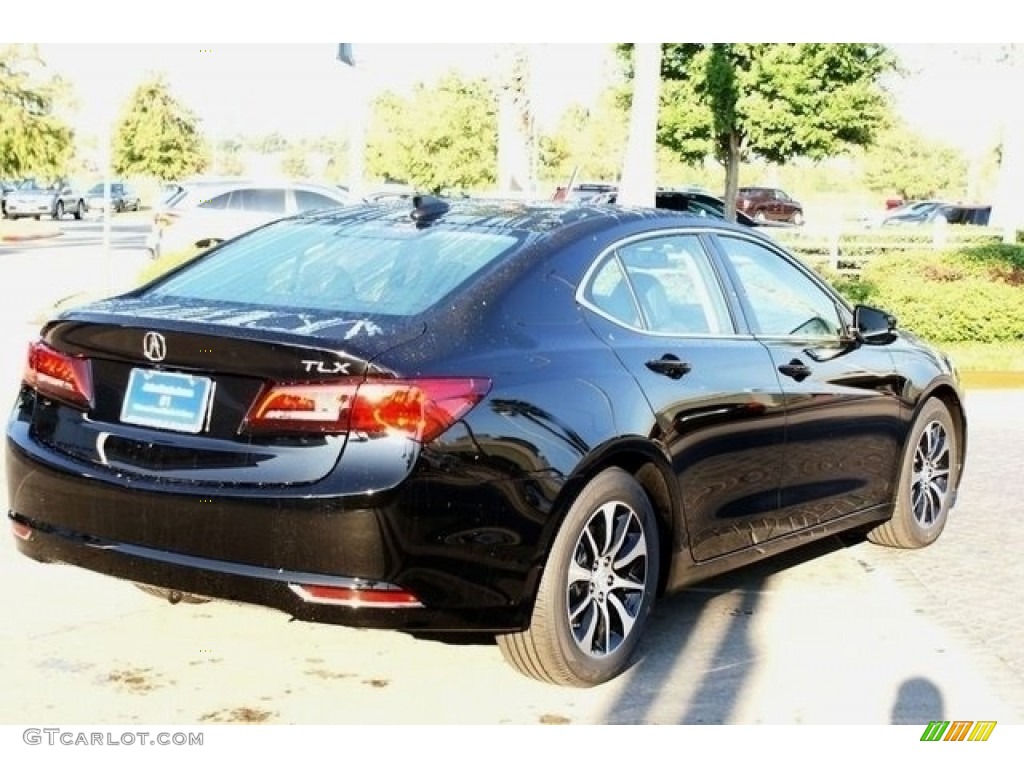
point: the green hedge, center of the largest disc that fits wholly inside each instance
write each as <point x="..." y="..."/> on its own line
<point x="967" y="294"/>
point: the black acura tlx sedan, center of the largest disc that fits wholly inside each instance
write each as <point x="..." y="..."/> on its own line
<point x="477" y="415"/>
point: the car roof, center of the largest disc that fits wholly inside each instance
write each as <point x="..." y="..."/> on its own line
<point x="539" y="217"/>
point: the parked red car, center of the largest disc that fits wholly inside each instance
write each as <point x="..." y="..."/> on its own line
<point x="769" y="204"/>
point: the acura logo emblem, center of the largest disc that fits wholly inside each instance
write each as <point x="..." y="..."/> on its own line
<point x="154" y="346"/>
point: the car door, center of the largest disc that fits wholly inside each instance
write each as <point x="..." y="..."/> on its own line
<point x="659" y="304"/>
<point x="843" y="434"/>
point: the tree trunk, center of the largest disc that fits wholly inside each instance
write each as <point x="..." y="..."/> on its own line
<point x="732" y="175"/>
<point x="639" y="171"/>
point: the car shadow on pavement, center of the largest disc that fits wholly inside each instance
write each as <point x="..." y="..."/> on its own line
<point x="697" y="655"/>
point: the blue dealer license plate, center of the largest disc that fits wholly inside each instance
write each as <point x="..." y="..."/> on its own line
<point x="166" y="400"/>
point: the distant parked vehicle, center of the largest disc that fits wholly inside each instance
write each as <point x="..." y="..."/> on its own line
<point x="769" y="204"/>
<point x="33" y="200"/>
<point x="927" y="211"/>
<point x="911" y="213"/>
<point x="697" y="202"/>
<point x="123" y="197"/>
<point x="584" y="192"/>
<point x="200" y="213"/>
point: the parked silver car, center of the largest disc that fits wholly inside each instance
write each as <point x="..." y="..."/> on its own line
<point x="202" y="212"/>
<point x="32" y="199"/>
<point x="123" y="197"/>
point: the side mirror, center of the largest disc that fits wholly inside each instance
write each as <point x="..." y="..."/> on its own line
<point x="873" y="326"/>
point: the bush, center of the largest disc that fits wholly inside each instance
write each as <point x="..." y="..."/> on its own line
<point x="969" y="294"/>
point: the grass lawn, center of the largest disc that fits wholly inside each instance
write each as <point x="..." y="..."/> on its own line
<point x="999" y="365"/>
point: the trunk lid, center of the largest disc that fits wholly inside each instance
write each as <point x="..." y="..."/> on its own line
<point x="173" y="381"/>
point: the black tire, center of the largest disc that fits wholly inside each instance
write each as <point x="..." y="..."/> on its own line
<point x="58" y="210"/>
<point x="927" y="483"/>
<point x="79" y="210"/>
<point x="590" y="612"/>
<point x="172" y="596"/>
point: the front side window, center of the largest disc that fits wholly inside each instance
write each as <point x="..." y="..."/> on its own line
<point x="784" y="300"/>
<point x="217" y="202"/>
<point x="259" y="200"/>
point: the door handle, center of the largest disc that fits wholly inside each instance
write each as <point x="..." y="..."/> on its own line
<point x="795" y="369"/>
<point x="669" y="365"/>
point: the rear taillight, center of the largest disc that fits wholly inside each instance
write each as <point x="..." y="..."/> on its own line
<point x="419" y="408"/>
<point x="59" y="376"/>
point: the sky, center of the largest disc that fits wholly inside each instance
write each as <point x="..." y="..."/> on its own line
<point x="300" y="89"/>
<point x="261" y="80"/>
<point x="951" y="91"/>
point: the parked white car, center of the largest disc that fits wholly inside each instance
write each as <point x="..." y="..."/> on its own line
<point x="202" y="212"/>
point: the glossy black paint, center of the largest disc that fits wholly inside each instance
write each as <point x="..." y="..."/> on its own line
<point x="746" y="445"/>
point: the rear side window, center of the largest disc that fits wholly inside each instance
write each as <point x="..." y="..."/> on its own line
<point x="312" y="201"/>
<point x="365" y="267"/>
<point x="663" y="285"/>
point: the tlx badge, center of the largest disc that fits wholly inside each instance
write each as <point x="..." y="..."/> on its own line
<point x="319" y="366"/>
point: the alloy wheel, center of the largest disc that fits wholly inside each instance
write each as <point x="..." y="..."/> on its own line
<point x="607" y="579"/>
<point x="929" y="485"/>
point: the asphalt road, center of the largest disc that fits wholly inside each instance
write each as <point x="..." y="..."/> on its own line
<point x="839" y="633"/>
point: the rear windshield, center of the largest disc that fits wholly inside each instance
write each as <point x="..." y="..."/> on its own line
<point x="367" y="267"/>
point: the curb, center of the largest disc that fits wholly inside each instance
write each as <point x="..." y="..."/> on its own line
<point x="29" y="237"/>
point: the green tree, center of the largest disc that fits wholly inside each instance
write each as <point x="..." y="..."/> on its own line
<point x="590" y="141"/>
<point x="773" y="101"/>
<point x="295" y="162"/>
<point x="269" y="144"/>
<point x="34" y="140"/>
<point x="158" y="136"/>
<point x="439" y="137"/>
<point x="913" y="166"/>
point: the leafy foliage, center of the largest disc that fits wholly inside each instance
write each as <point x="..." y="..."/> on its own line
<point x="295" y="162"/>
<point x="973" y="294"/>
<point x="34" y="140"/>
<point x="773" y="101"/>
<point x="439" y="137"/>
<point x="913" y="166"/>
<point x="591" y="141"/>
<point x="157" y="136"/>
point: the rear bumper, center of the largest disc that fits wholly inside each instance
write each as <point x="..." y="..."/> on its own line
<point x="256" y="548"/>
<point x="238" y="582"/>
